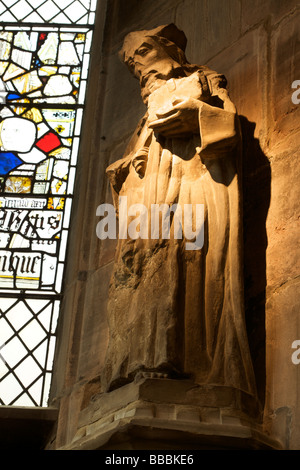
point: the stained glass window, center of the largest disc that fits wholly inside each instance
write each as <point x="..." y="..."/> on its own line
<point x="44" y="57"/>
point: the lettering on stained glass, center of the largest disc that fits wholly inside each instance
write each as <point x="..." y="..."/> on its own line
<point x="43" y="73"/>
<point x="39" y="70"/>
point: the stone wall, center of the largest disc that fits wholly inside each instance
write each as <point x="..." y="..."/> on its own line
<point x="256" y="45"/>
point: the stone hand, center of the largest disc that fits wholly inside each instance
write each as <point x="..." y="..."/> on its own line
<point x="178" y="121"/>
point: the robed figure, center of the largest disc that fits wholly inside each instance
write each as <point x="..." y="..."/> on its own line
<point x="173" y="311"/>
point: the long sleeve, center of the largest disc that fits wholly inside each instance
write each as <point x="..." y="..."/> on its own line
<point x="219" y="131"/>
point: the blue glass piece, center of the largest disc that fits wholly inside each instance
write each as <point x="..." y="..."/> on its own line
<point x="13" y="96"/>
<point x="8" y="161"/>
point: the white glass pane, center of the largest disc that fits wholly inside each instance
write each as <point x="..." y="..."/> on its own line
<point x="8" y="3"/>
<point x="59" y="277"/>
<point x="45" y="317"/>
<point x="82" y="92"/>
<point x="91" y="18"/>
<point x="36" y="389"/>
<point x="51" y="352"/>
<point x="85" y="66"/>
<point x="63" y="3"/>
<point x="71" y="180"/>
<point x="24" y="400"/>
<point x="21" y="9"/>
<point x="18" y="316"/>
<point x="26" y="42"/>
<point x="63" y="245"/>
<point x="7" y="17"/>
<point x="35" y="3"/>
<point x="48" y="51"/>
<point x="78" y="121"/>
<point x="3" y="367"/>
<point x="32" y="334"/>
<point x="9" y="389"/>
<point x="46" y="389"/>
<point x="83" y="20"/>
<point x="61" y="18"/>
<point x="67" y="54"/>
<point x="37" y="305"/>
<point x="34" y="18"/>
<point x="48" y="10"/>
<point x="55" y="316"/>
<point x="28" y="371"/>
<point x="6" y="36"/>
<point x="6" y="332"/>
<point x="41" y="352"/>
<point x="75" y="11"/>
<point x="75" y="150"/>
<point x="6" y="303"/>
<point x="13" y="352"/>
<point x="66" y="220"/>
<point x="5" y="48"/>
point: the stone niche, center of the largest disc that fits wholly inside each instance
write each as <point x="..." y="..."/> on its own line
<point x="127" y="368"/>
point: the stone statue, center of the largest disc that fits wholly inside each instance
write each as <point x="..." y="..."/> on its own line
<point x="176" y="312"/>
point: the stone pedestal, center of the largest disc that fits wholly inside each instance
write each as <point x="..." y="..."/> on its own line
<point x="158" y="413"/>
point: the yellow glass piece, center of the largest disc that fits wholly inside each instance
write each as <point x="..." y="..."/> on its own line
<point x="59" y="129"/>
<point x="4" y="49"/>
<point x="6" y="36"/>
<point x="34" y="115"/>
<point x="60" y="204"/>
<point x="23" y="100"/>
<point x="19" y="109"/>
<point x="50" y="203"/>
<point x="27" y="82"/>
<point x="61" y="152"/>
<point x="3" y="66"/>
<point x="67" y="142"/>
<point x="35" y="94"/>
<point x="58" y="185"/>
<point x="75" y="76"/>
<point x="57" y="204"/>
<point x="47" y="70"/>
<point x="18" y="184"/>
<point x="12" y="71"/>
<point x="80" y="37"/>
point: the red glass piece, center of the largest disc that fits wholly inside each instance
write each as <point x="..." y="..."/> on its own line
<point x="48" y="142"/>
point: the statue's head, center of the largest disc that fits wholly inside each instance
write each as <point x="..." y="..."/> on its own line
<point x="155" y="56"/>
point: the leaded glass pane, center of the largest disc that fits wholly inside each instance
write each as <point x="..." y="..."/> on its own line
<point x="49" y="11"/>
<point x="43" y="73"/>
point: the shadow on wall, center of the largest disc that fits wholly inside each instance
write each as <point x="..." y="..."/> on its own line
<point x="256" y="201"/>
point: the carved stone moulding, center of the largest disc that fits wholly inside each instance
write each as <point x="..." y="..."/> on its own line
<point x="158" y="413"/>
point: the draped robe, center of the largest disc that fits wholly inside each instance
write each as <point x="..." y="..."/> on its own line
<point x="170" y="310"/>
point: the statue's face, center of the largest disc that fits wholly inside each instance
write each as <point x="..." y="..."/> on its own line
<point x="152" y="65"/>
